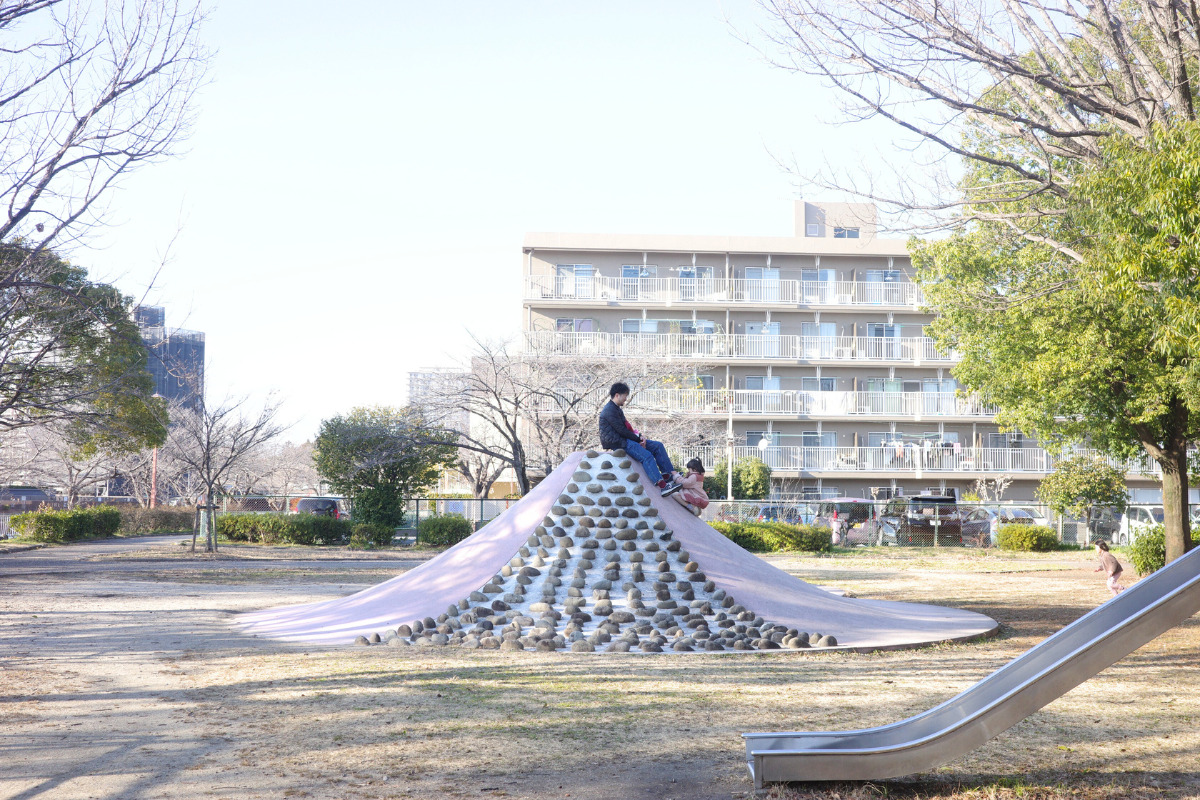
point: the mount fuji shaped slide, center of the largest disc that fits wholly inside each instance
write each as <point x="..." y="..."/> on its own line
<point x="1097" y="640"/>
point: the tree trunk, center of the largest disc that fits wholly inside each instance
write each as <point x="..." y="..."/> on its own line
<point x="1176" y="522"/>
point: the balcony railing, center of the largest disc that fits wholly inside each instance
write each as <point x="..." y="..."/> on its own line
<point x="786" y="402"/>
<point x="721" y="290"/>
<point x="900" y="459"/>
<point x="913" y="350"/>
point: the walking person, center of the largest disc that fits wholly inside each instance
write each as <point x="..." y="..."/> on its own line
<point x="616" y="432"/>
<point x="1109" y="564"/>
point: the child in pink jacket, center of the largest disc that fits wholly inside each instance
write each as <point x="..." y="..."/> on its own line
<point x="692" y="495"/>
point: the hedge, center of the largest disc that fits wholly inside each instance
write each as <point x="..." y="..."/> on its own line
<point x="444" y="530"/>
<point x="1027" y="538"/>
<point x="308" y="529"/>
<point x="48" y="525"/>
<point x="1149" y="549"/>
<point x="767" y="537"/>
<point x="366" y="534"/>
<point x="150" y="520"/>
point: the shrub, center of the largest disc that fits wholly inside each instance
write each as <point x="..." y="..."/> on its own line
<point x="366" y="535"/>
<point x="1149" y="549"/>
<point x="149" y="520"/>
<point x="767" y="537"/>
<point x="443" y="530"/>
<point x="306" y="529"/>
<point x="48" y="525"/>
<point x="1028" y="538"/>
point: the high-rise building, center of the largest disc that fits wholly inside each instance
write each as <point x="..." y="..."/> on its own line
<point x="176" y="356"/>
<point x="809" y="351"/>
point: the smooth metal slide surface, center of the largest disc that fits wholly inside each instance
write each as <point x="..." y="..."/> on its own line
<point x="1045" y="672"/>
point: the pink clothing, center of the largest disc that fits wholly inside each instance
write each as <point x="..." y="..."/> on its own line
<point x="693" y="490"/>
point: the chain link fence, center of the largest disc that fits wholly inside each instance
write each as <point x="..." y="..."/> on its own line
<point x="901" y="521"/>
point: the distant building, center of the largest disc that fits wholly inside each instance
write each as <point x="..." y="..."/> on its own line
<point x="430" y="388"/>
<point x="176" y="359"/>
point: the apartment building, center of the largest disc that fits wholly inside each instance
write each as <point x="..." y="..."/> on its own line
<point x="808" y="351"/>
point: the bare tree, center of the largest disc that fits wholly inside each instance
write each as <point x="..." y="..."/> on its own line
<point x="481" y="470"/>
<point x="991" y="490"/>
<point x="211" y="440"/>
<point x="136" y="472"/>
<point x="1021" y="90"/>
<point x="529" y="410"/>
<point x="89" y="92"/>
<point x="64" y="465"/>
<point x="277" y="469"/>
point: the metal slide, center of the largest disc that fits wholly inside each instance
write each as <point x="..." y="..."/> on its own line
<point x="1097" y="640"/>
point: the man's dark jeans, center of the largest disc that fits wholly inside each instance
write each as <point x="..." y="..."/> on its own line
<point x="653" y="456"/>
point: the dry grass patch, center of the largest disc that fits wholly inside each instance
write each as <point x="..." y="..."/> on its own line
<point x="383" y="722"/>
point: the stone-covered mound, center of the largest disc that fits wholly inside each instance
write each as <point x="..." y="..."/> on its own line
<point x="594" y="559"/>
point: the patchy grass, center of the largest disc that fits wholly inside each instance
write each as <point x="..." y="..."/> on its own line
<point x="384" y="722"/>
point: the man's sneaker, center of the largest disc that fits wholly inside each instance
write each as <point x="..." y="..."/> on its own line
<point x="671" y="488"/>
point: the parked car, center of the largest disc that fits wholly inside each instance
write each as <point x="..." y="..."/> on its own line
<point x="1104" y="525"/>
<point x="1137" y="520"/>
<point x="844" y="516"/>
<point x="1036" y="514"/>
<point x="926" y="520"/>
<point x="321" y="506"/>
<point x="779" y="513"/>
<point x="981" y="525"/>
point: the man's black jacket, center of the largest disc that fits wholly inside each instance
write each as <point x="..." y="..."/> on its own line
<point x="614" y="430"/>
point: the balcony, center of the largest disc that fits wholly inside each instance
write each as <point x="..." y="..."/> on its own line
<point x="903" y="461"/>
<point x="792" y="403"/>
<point x="722" y="291"/>
<point x="914" y="350"/>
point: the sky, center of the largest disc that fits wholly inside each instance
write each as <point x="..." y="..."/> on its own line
<point x="354" y="195"/>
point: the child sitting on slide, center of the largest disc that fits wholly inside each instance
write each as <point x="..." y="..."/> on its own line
<point x="692" y="495"/>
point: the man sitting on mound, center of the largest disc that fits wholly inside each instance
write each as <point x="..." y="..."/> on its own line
<point x="616" y="433"/>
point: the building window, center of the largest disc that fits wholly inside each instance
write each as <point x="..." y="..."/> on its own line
<point x="705" y="382"/>
<point x="812" y="229"/>
<point x="817" y="384"/>
<point x="753" y="438"/>
<point x="575" y="325"/>
<point x="845" y="233"/>
<point x="574" y="280"/>
<point x="881" y="275"/>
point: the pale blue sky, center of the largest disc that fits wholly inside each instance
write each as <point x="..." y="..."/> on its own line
<point x="357" y="187"/>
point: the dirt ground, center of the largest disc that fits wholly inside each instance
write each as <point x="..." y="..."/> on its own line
<point x="120" y="677"/>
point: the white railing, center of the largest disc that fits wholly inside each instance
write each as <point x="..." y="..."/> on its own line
<point x="722" y="290"/>
<point x="792" y="402"/>
<point x="895" y="458"/>
<point x="915" y="350"/>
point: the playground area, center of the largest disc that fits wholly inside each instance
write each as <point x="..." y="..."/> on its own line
<point x="124" y="679"/>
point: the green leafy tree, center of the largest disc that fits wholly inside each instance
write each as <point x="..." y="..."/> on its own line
<point x="751" y="480"/>
<point x="1072" y="286"/>
<point x="70" y="355"/>
<point x="1082" y="484"/>
<point x="1092" y="343"/>
<point x="370" y="456"/>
